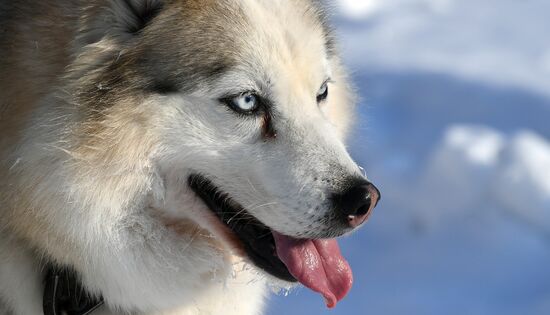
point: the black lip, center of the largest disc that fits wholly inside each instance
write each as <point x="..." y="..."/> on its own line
<point x="255" y="236"/>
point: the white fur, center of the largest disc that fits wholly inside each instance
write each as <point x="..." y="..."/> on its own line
<point x="102" y="208"/>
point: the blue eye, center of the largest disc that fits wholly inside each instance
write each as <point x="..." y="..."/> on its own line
<point x="246" y="103"/>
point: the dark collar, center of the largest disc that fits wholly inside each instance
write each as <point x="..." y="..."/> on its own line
<point x="64" y="294"/>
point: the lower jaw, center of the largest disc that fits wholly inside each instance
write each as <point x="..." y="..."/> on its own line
<point x="210" y="231"/>
<point x="252" y="239"/>
<point x="221" y="239"/>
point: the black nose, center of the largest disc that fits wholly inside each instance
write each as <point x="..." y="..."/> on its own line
<point x="358" y="202"/>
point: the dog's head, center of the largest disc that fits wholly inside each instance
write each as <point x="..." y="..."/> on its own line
<point x="249" y="105"/>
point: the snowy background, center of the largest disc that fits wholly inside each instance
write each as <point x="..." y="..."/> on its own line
<point x="454" y="128"/>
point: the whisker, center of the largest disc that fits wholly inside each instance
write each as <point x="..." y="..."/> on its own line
<point x="263" y="205"/>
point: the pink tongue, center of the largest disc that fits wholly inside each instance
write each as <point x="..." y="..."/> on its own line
<point x="317" y="264"/>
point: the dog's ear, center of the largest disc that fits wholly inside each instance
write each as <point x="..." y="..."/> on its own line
<point x="134" y="15"/>
<point x="120" y="20"/>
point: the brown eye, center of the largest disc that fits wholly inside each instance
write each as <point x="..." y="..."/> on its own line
<point x="323" y="93"/>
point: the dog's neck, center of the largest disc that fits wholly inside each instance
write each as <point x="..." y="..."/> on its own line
<point x="64" y="294"/>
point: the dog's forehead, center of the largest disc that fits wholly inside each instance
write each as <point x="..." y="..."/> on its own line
<point x="196" y="42"/>
<point x="268" y="41"/>
<point x="290" y="40"/>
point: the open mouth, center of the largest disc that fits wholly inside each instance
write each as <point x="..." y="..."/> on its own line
<point x="316" y="263"/>
<point x="256" y="237"/>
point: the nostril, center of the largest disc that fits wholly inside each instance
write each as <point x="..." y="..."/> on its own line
<point x="358" y="201"/>
<point x="364" y="209"/>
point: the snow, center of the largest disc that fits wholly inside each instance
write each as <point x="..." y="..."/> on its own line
<point x="523" y="182"/>
<point x="476" y="165"/>
<point x="496" y="41"/>
<point x="358" y="9"/>
<point x="459" y="171"/>
<point x="454" y="128"/>
<point x="479" y="145"/>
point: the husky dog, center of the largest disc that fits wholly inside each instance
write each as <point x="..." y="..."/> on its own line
<point x="177" y="155"/>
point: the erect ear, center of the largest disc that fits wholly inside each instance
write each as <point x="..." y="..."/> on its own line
<point x="122" y="19"/>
